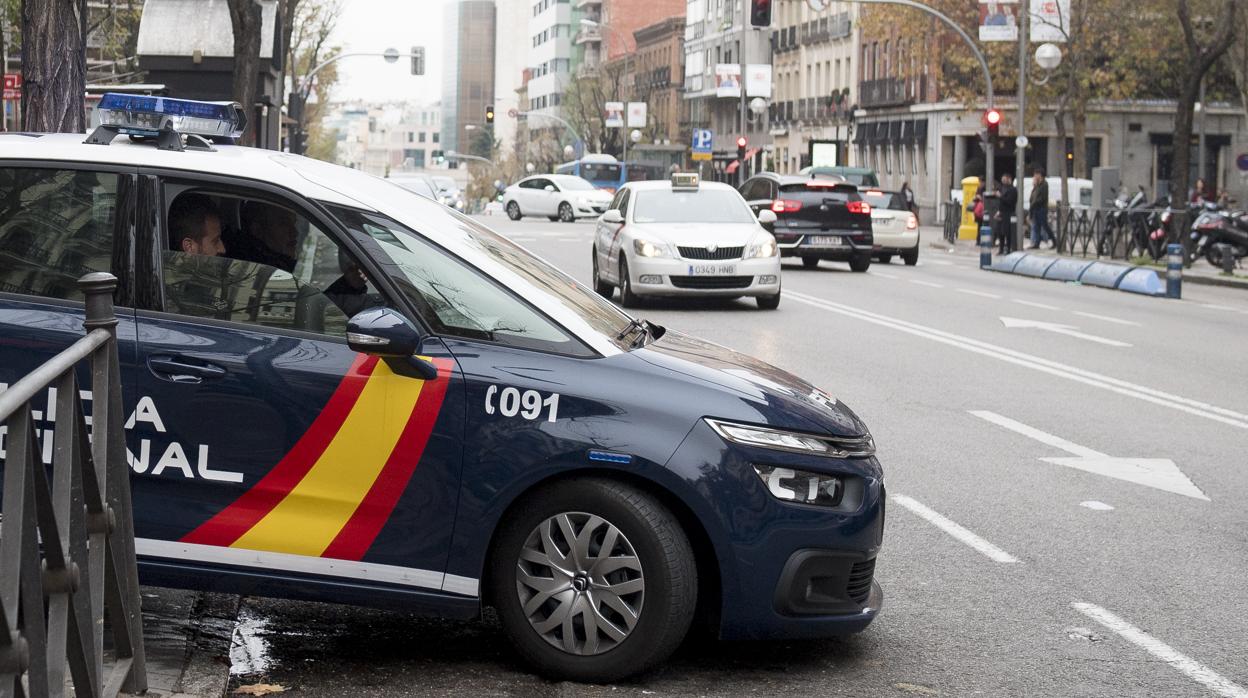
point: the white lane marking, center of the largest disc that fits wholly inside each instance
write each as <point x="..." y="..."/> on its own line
<point x="962" y="534"/>
<point x="981" y="294"/>
<point x="1057" y="328"/>
<point x="1045" y="306"/>
<point x="1214" y="306"/>
<point x="1191" y="668"/>
<point x="1158" y="473"/>
<point x="1106" y="318"/>
<point x="569" y="240"/>
<point x="882" y="275"/>
<point x="1096" y="506"/>
<point x="926" y="283"/>
<point x="1042" y="436"/>
<point x="1034" y="362"/>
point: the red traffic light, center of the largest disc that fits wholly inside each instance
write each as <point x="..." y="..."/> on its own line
<point x="992" y="117"/>
<point x="741" y="141"/>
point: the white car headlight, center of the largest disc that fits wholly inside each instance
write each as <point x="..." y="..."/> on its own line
<point x="645" y="248"/>
<point x="761" y="247"/>
<point x="780" y="440"/>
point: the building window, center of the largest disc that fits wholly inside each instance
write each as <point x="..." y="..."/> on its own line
<point x="422" y="136"/>
<point x="435" y="136"/>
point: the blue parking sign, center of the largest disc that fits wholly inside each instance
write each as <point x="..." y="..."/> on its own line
<point x="703" y="138"/>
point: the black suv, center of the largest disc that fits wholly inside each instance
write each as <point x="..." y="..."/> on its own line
<point x="816" y="217"/>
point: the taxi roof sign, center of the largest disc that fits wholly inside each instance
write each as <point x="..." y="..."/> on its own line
<point x="147" y="116"/>
<point x="685" y="180"/>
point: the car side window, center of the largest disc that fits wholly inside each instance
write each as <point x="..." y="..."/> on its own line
<point x="273" y="266"/>
<point x="526" y="184"/>
<point x="625" y="197"/>
<point x="56" y="226"/>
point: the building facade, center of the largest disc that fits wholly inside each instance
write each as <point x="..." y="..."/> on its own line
<point x="551" y="56"/>
<point x="654" y="73"/>
<point x="815" y="85"/>
<point x="718" y="32"/>
<point x="511" y="50"/>
<point x="468" y="76"/>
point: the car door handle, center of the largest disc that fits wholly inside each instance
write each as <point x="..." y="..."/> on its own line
<point x="178" y="370"/>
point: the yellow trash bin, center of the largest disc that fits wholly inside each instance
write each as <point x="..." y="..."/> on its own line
<point x="968" y="230"/>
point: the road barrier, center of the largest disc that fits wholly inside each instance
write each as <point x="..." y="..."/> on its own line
<point x="67" y="546"/>
<point x="1118" y="234"/>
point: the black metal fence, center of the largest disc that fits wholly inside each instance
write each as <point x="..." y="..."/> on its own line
<point x="67" y="543"/>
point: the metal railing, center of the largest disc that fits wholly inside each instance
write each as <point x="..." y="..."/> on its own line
<point x="1117" y="234"/>
<point x="67" y="544"/>
<point x="953" y="220"/>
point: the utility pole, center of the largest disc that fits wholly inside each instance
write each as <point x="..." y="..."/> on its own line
<point x="1200" y="156"/>
<point x="745" y="33"/>
<point x="1020" y="152"/>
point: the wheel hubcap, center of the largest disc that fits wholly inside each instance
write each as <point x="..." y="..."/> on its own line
<point x="580" y="583"/>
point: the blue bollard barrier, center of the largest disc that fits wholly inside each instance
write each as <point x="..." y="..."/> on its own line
<point x="1174" y="270"/>
<point x="985" y="247"/>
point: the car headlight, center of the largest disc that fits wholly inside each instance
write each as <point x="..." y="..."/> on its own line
<point x="802" y="486"/>
<point x="761" y="247"/>
<point x="459" y="204"/>
<point x="645" y="248"/>
<point x="796" y="442"/>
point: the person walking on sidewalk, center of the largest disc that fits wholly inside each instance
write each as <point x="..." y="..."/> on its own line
<point x="1038" y="209"/>
<point x="1003" y="225"/>
<point x="912" y="205"/>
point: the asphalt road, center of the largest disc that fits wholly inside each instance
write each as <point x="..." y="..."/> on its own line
<point x="1004" y="573"/>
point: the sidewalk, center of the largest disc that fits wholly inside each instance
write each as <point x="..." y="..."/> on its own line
<point x="1200" y="273"/>
<point x="186" y="637"/>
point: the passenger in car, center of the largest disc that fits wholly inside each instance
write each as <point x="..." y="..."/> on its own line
<point x="195" y="226"/>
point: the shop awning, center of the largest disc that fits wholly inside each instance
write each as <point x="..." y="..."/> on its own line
<point x="732" y="167"/>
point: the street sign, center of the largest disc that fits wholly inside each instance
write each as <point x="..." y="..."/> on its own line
<point x="512" y="113"/>
<point x="12" y="86"/>
<point x="1021" y="141"/>
<point x="703" y="140"/>
<point x="1242" y="162"/>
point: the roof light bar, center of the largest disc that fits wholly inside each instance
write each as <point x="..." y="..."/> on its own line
<point x="144" y="115"/>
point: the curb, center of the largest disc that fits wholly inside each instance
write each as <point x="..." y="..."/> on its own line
<point x="186" y="638"/>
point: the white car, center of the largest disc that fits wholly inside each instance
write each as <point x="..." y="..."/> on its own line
<point x="558" y="197"/>
<point x="894" y="228"/>
<point x="682" y="237"/>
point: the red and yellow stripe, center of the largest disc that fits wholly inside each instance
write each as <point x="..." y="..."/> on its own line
<point x="332" y="493"/>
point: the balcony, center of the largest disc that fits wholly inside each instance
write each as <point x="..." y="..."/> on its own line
<point x="582" y="4"/>
<point x="885" y="92"/>
<point x="588" y="35"/>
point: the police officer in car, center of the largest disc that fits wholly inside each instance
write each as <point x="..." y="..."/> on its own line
<point x="195" y="226"/>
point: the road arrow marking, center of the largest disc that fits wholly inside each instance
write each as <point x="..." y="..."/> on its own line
<point x="1057" y="328"/>
<point x="1158" y="473"/>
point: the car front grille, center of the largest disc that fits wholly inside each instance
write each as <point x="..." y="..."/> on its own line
<point x="712" y="281"/>
<point x="860" y="575"/>
<point x="718" y="254"/>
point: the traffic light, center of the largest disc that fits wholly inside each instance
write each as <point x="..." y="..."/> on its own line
<point x="489" y="114"/>
<point x="418" y="60"/>
<point x="760" y="14"/>
<point x="741" y="143"/>
<point x="992" y="119"/>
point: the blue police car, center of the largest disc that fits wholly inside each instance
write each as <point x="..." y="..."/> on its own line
<point x="339" y="390"/>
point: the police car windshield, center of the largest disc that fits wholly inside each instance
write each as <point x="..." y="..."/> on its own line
<point x="700" y="206"/>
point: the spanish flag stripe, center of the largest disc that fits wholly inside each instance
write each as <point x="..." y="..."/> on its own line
<point x="227" y="525"/>
<point x="361" y="530"/>
<point x="311" y="515"/>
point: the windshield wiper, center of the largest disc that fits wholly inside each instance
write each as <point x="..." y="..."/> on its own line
<point x="633" y="326"/>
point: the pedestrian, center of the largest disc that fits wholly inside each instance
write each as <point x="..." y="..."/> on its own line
<point x="1038" y="209"/>
<point x="907" y="194"/>
<point x="976" y="209"/>
<point x="1198" y="194"/>
<point x="1004" y="219"/>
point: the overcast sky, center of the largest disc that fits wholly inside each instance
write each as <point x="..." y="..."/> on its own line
<point x="375" y="25"/>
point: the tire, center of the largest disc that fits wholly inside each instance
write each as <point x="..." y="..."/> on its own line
<point x="1213" y="254"/>
<point x="860" y="264"/>
<point x="628" y="299"/>
<point x="885" y="259"/>
<point x="513" y="211"/>
<point x="810" y="262"/>
<point x="661" y="582"/>
<point x="601" y="287"/>
<point x="566" y="214"/>
<point x="911" y="257"/>
<point x="768" y="302"/>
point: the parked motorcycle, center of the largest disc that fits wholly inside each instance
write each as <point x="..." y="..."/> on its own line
<point x="1224" y="233"/>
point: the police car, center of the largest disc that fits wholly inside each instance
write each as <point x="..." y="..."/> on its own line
<point x="337" y="389"/>
<point x="685" y="237"/>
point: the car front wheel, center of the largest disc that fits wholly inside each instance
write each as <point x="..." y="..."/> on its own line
<point x="601" y="287"/>
<point x="628" y="299"/>
<point x="593" y="580"/>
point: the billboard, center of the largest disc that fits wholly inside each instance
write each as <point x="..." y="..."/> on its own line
<point x="613" y="115"/>
<point x="636" y="114"/>
<point x="1050" y="20"/>
<point x="727" y="80"/>
<point x="758" y="80"/>
<point x="998" y="20"/>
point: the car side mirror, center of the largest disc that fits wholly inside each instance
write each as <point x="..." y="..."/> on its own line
<point x="613" y="216"/>
<point x="767" y="216"/>
<point x="385" y="333"/>
<point x="550" y="187"/>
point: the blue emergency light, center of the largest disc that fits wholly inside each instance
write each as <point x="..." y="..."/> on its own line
<point x="148" y="116"/>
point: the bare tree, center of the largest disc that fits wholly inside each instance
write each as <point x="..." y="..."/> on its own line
<point x="1194" y="66"/>
<point x="247" y="21"/>
<point x="54" y="65"/>
<point x="309" y="28"/>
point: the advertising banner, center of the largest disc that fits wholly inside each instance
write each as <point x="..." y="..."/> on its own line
<point x="613" y="115"/>
<point x="636" y="114"/>
<point x="1050" y="20"/>
<point x="758" y="80"/>
<point x="727" y="80"/>
<point x="998" y="20"/>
